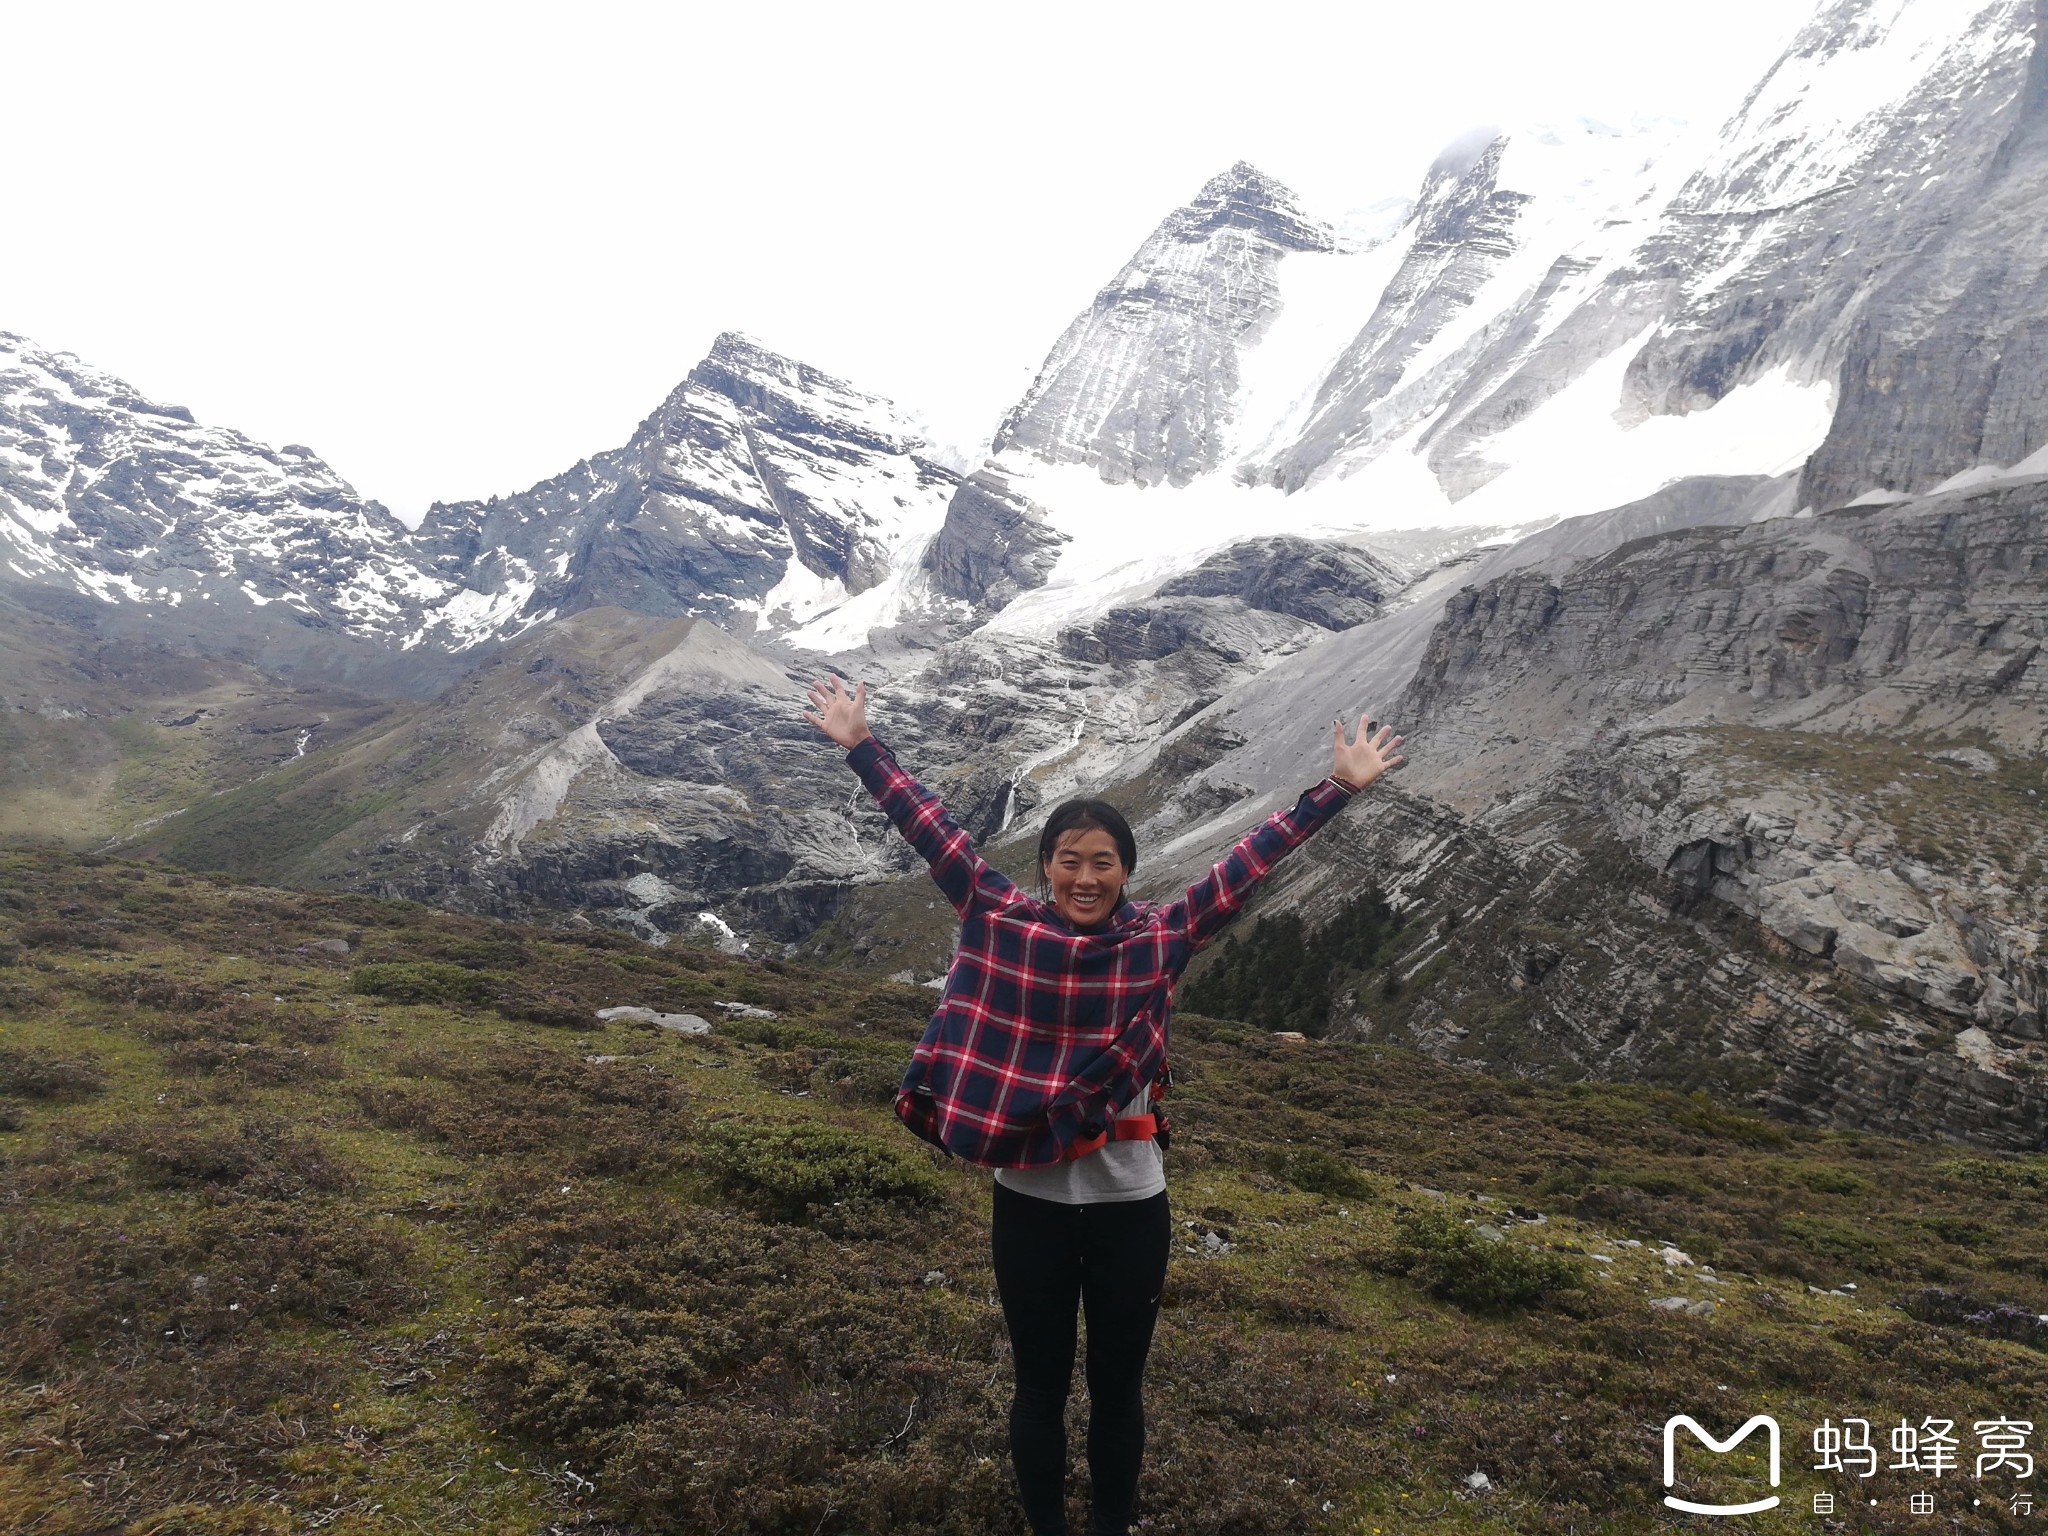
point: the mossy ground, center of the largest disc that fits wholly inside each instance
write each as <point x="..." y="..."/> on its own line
<point x="283" y="1255"/>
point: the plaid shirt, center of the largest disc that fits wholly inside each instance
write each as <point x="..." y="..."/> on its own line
<point x="1045" y="1031"/>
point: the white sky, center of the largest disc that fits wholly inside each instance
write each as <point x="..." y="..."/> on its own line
<point x="455" y="248"/>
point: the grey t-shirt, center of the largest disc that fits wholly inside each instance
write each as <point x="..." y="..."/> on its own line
<point x="1116" y="1170"/>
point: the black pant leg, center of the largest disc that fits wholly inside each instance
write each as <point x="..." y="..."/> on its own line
<point x="1038" y="1279"/>
<point x="1124" y="1247"/>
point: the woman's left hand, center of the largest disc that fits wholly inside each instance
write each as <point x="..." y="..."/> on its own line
<point x="1375" y="751"/>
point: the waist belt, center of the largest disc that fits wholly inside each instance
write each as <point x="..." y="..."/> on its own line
<point x="1151" y="1127"/>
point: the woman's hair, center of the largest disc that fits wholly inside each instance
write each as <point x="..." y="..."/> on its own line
<point x="1076" y="815"/>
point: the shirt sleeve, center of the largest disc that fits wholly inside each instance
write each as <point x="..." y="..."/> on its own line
<point x="1212" y="902"/>
<point x="970" y="882"/>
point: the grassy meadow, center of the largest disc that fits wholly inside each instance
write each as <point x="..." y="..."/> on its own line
<point x="329" y="1214"/>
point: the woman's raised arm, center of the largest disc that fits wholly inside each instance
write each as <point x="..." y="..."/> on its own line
<point x="1213" y="901"/>
<point x="969" y="881"/>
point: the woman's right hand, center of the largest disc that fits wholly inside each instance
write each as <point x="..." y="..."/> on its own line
<point x="841" y="715"/>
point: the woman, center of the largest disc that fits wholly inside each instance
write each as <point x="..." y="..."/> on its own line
<point x="1043" y="1061"/>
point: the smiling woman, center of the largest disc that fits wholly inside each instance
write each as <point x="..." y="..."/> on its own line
<point x="1087" y="853"/>
<point x="1045" y="1061"/>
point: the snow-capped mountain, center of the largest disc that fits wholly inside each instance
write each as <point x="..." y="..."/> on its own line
<point x="1325" y="375"/>
<point x="1570" y="318"/>
<point x="108" y="495"/>
<point x="760" y="493"/>
<point x="1710" y="317"/>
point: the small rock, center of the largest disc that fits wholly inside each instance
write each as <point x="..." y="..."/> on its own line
<point x="1289" y="1034"/>
<point x="1973" y="758"/>
<point x="1602" y="1258"/>
<point x="1479" y="1482"/>
<point x="934" y="1276"/>
<point x="1214" y="1246"/>
<point x="747" y="1011"/>
<point x="325" y="947"/>
<point x="678" y="1023"/>
<point x="1674" y="1257"/>
<point x="1682" y="1304"/>
<point x="1491" y="1233"/>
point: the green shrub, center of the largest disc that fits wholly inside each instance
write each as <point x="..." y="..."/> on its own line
<point x="481" y="954"/>
<point x="554" y="1012"/>
<point x="266" y="1156"/>
<point x="1731" y="1125"/>
<point x="1826" y="1180"/>
<point x="2008" y="1177"/>
<point x="1454" y="1263"/>
<point x="36" y="1075"/>
<point x="1840" y="1242"/>
<point x="1282" y="975"/>
<point x="850" y="1080"/>
<point x="1662" y="1183"/>
<point x="1317" y="1172"/>
<point x="786" y="1168"/>
<point x="426" y="981"/>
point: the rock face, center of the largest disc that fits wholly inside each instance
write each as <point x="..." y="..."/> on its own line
<point x="761" y="492"/>
<point x="1153" y="631"/>
<point x="1540" y="942"/>
<point x="1912" y="624"/>
<point x="1142" y="385"/>
<point x="1330" y="585"/>
<point x="995" y="542"/>
<point x="1928" y="615"/>
<point x="1943" y="369"/>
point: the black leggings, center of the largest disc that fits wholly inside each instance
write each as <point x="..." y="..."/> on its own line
<point x="1050" y="1258"/>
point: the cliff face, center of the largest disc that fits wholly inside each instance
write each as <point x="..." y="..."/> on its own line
<point x="1925" y="616"/>
<point x="1767" y="799"/>
<point x="1540" y="941"/>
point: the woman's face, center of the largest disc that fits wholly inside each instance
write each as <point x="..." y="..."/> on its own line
<point x="1087" y="876"/>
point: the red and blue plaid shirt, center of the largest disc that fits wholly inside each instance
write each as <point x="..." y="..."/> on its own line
<point x="1044" y="1031"/>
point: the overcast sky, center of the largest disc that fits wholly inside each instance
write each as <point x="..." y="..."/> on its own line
<point x="454" y="248"/>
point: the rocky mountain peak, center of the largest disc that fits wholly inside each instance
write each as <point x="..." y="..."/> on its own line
<point x="761" y="492"/>
<point x="779" y="388"/>
<point x="1462" y="201"/>
<point x="1143" y="385"/>
<point x="1245" y="197"/>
